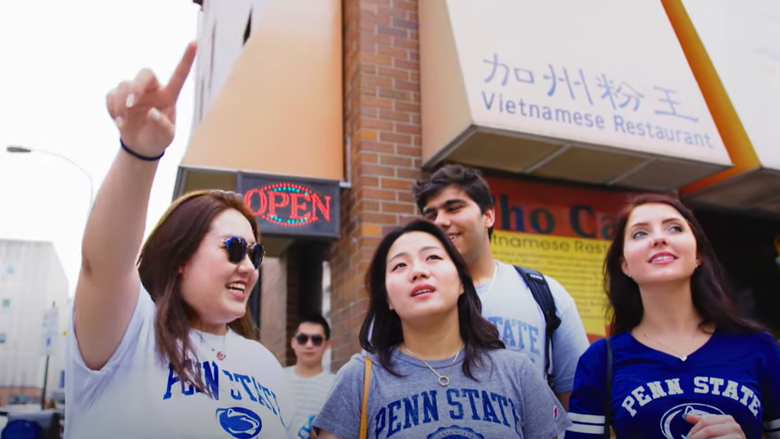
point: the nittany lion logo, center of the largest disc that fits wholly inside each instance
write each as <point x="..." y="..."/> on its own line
<point x="455" y="432"/>
<point x="675" y="426"/>
<point x="303" y="433"/>
<point x="240" y="422"/>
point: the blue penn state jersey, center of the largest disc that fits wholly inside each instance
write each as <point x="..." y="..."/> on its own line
<point x="736" y="374"/>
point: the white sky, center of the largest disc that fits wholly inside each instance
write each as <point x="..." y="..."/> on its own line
<point x="58" y="59"/>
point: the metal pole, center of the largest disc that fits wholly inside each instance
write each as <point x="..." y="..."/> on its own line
<point x="24" y="149"/>
<point x="45" y="383"/>
<point x="83" y="171"/>
<point x="49" y="334"/>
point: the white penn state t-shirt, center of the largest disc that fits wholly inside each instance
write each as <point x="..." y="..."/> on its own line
<point x="136" y="395"/>
<point x="508" y="303"/>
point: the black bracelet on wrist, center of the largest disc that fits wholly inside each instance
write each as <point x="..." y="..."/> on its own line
<point x="139" y="156"/>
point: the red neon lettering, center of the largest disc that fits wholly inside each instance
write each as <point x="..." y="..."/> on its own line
<point x="273" y="204"/>
<point x="263" y="201"/>
<point x="297" y="205"/>
<point x="324" y="208"/>
<point x="303" y="204"/>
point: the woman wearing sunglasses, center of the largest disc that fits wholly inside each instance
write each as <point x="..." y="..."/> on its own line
<point x="440" y="369"/>
<point x="162" y="344"/>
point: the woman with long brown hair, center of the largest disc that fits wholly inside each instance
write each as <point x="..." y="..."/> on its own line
<point x="162" y="345"/>
<point x="681" y="362"/>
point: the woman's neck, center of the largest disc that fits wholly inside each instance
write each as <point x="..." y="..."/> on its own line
<point x="201" y="326"/>
<point x="435" y="340"/>
<point x="668" y="309"/>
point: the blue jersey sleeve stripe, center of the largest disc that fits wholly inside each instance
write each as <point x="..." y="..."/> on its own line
<point x="587" y="429"/>
<point x="772" y="425"/>
<point x="586" y="419"/>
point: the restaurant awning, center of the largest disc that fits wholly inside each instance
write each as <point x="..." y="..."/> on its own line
<point x="595" y="92"/>
<point x="268" y="94"/>
<point x="268" y="114"/>
<point x="739" y="74"/>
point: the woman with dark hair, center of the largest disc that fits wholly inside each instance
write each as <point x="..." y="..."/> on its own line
<point x="441" y="370"/>
<point x="162" y="345"/>
<point x="684" y="364"/>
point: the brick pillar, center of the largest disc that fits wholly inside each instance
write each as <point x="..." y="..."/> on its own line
<point x="382" y="124"/>
<point x="273" y="298"/>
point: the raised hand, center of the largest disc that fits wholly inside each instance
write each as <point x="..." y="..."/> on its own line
<point x="145" y="112"/>
<point x="714" y="426"/>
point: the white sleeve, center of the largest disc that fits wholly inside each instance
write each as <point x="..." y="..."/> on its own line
<point x="569" y="341"/>
<point x="83" y="385"/>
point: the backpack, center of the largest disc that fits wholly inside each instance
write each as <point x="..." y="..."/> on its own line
<point x="543" y="296"/>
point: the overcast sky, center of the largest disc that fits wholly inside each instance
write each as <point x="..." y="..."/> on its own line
<point x="59" y="58"/>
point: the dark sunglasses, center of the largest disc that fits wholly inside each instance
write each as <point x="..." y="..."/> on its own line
<point x="316" y="339"/>
<point x="237" y="249"/>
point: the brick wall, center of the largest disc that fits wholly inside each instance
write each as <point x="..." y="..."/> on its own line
<point x="273" y="298"/>
<point x="382" y="124"/>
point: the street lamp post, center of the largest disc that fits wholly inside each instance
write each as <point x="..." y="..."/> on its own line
<point x="16" y="149"/>
<point x="49" y="328"/>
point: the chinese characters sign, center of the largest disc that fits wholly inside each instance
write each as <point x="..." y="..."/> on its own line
<point x="599" y="94"/>
<point x="287" y="207"/>
<point x="610" y="74"/>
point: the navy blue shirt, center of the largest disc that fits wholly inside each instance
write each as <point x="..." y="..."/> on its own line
<point x="737" y="374"/>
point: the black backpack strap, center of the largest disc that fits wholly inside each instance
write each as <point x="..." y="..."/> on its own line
<point x="544" y="298"/>
<point x="608" y="388"/>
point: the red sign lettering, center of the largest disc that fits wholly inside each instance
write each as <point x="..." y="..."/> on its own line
<point x="288" y="204"/>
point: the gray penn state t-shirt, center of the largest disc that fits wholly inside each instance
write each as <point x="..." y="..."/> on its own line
<point x="509" y="400"/>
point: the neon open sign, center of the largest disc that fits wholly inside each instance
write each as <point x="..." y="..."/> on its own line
<point x="291" y="207"/>
<point x="288" y="204"/>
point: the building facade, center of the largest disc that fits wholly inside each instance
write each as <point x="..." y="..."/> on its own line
<point x="33" y="308"/>
<point x="323" y="113"/>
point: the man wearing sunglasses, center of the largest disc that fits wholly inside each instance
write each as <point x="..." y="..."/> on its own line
<point x="309" y="384"/>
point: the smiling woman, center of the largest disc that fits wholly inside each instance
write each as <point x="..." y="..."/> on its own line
<point x="162" y="344"/>
<point x="436" y="355"/>
<point x="686" y="364"/>
<point x="182" y="280"/>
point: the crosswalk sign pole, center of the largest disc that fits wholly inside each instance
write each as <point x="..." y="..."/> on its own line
<point x="45" y="380"/>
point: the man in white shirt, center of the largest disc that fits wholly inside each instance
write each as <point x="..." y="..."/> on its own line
<point x="458" y="200"/>
<point x="309" y="384"/>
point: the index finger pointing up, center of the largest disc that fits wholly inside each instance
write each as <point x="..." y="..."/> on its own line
<point x="176" y="82"/>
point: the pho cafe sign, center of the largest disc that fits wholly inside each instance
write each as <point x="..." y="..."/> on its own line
<point x="600" y="94"/>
